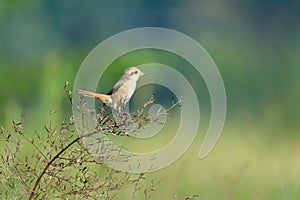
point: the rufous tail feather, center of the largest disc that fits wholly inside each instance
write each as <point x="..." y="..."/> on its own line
<point x="101" y="97"/>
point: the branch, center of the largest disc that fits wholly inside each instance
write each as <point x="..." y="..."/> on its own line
<point x="54" y="158"/>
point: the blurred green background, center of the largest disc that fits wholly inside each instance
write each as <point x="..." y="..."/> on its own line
<point x="255" y="44"/>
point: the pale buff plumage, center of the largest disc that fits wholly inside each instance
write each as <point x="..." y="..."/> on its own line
<point x="122" y="91"/>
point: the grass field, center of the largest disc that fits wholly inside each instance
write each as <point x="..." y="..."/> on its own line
<point x="245" y="164"/>
<point x="250" y="161"/>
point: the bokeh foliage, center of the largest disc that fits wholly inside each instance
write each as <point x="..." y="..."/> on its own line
<point x="255" y="44"/>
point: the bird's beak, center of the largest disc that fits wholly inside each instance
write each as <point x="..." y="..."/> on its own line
<point x="143" y="74"/>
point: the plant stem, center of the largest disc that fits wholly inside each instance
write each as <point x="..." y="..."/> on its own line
<point x="48" y="165"/>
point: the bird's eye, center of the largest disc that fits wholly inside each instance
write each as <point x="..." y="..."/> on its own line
<point x="136" y="72"/>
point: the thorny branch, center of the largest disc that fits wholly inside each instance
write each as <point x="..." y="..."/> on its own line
<point x="64" y="160"/>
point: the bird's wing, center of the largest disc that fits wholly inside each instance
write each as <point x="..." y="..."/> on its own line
<point x="110" y="91"/>
<point x="101" y="97"/>
<point x="116" y="86"/>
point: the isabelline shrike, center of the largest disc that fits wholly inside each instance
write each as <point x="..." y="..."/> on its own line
<point x="122" y="91"/>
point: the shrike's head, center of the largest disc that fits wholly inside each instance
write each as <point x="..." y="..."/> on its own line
<point x="133" y="73"/>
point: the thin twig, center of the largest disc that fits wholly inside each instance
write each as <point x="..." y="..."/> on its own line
<point x="53" y="159"/>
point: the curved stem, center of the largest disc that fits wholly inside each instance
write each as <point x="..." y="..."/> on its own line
<point x="38" y="180"/>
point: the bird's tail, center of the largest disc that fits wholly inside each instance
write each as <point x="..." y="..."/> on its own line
<point x="101" y="97"/>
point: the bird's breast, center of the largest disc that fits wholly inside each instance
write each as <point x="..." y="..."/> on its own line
<point x="124" y="93"/>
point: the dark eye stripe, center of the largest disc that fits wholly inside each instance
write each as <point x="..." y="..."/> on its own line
<point x="135" y="72"/>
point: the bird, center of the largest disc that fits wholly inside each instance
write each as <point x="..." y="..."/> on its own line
<point x="121" y="92"/>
